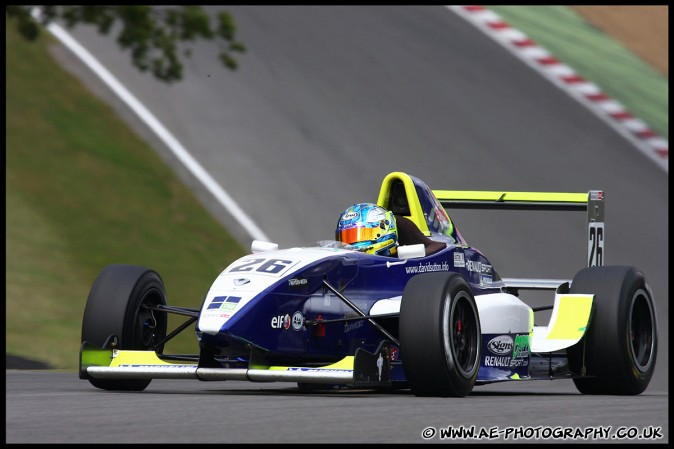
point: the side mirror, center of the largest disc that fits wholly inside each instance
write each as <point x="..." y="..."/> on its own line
<point x="411" y="251"/>
<point x="258" y="246"/>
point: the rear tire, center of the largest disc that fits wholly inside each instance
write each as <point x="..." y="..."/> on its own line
<point x="116" y="307"/>
<point x="620" y="347"/>
<point x="440" y="336"/>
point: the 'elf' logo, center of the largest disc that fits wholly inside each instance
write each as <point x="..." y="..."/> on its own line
<point x="280" y="322"/>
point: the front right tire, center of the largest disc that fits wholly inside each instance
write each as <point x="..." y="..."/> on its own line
<point x="118" y="305"/>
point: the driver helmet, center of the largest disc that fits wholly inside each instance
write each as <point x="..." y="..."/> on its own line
<point x="368" y="228"/>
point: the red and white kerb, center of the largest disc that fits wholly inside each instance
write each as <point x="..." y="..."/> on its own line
<point x="588" y="93"/>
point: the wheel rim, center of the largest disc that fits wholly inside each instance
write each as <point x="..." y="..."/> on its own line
<point x="461" y="334"/>
<point x="642" y="330"/>
<point x="148" y="324"/>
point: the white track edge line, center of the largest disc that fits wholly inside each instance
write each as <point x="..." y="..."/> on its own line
<point x="151" y="121"/>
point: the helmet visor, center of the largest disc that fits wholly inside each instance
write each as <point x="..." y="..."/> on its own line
<point x="358" y="234"/>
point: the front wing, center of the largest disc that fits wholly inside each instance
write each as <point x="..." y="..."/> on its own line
<point x="363" y="369"/>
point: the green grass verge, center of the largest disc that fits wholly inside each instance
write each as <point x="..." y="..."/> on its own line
<point x="83" y="191"/>
<point x="606" y="62"/>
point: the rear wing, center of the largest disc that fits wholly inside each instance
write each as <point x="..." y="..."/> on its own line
<point x="592" y="202"/>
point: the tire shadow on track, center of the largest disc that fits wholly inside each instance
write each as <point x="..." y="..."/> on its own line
<point x="353" y="393"/>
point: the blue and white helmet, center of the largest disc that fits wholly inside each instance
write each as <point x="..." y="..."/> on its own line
<point x="368" y="228"/>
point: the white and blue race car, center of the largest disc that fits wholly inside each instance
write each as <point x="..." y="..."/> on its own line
<point x="437" y="318"/>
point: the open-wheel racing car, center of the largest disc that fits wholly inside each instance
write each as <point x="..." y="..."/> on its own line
<point x="435" y="318"/>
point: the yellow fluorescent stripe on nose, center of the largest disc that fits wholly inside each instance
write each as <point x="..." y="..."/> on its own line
<point x="573" y="314"/>
<point x="130" y="357"/>
<point x="345" y="364"/>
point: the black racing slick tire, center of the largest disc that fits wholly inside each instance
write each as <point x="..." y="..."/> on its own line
<point x="440" y="336"/>
<point x="619" y="350"/>
<point x="117" y="307"/>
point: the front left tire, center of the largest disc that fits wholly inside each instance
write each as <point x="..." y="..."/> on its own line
<point x="440" y="335"/>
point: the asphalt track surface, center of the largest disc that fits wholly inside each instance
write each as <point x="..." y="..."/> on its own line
<point x="328" y="100"/>
<point x="45" y="407"/>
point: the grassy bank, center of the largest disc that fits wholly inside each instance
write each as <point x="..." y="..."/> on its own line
<point x="83" y="191"/>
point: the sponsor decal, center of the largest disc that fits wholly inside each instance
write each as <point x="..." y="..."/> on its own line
<point x="496" y="361"/>
<point x="478" y="267"/>
<point x="224" y="303"/>
<point x="504" y="362"/>
<point x="459" y="261"/>
<point x="349" y="326"/>
<point x="298" y="320"/>
<point x="509" y="353"/>
<point x="297" y="282"/>
<point x="428" y="267"/>
<point x="503" y="344"/>
<point x="596" y="195"/>
<point x="280" y="322"/>
<point x="521" y="347"/>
